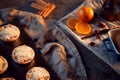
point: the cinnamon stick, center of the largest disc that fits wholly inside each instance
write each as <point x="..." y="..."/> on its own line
<point x="37" y="6"/>
<point x="42" y="3"/>
<point x="49" y="10"/>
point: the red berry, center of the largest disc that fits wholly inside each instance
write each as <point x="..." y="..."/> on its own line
<point x="101" y="25"/>
<point x="92" y="43"/>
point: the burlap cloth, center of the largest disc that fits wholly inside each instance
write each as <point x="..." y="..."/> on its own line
<point x="57" y="49"/>
<point x="98" y="50"/>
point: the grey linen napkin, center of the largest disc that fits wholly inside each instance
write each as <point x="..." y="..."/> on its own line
<point x="56" y="48"/>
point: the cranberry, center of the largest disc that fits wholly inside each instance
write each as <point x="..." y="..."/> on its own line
<point x="101" y="25"/>
<point x="92" y="44"/>
<point x="98" y="37"/>
<point x="96" y="32"/>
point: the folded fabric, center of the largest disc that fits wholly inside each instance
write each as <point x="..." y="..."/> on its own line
<point x="56" y="56"/>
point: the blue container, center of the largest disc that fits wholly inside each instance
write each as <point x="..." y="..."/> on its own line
<point x="109" y="43"/>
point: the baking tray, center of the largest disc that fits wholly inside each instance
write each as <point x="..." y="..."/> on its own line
<point x="18" y="71"/>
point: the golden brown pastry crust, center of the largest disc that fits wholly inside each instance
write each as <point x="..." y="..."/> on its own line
<point x="9" y="33"/>
<point x="23" y="54"/>
<point x="7" y="78"/>
<point x="37" y="73"/>
<point x="3" y="64"/>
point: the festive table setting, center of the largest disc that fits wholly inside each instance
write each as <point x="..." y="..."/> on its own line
<point x="66" y="53"/>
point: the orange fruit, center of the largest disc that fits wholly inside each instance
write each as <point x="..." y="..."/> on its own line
<point x="71" y="22"/>
<point x="83" y="28"/>
<point x="85" y="14"/>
